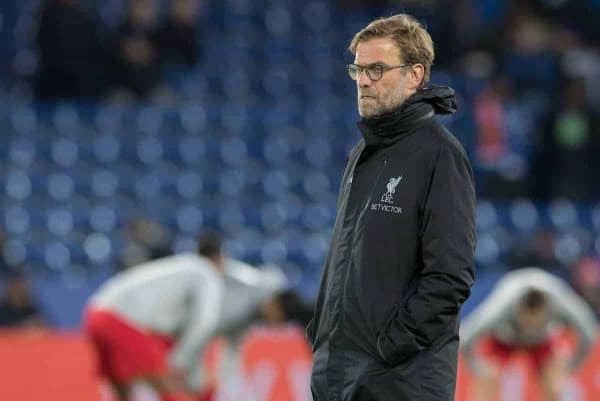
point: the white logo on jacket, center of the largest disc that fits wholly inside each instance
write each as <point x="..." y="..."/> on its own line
<point x="388" y="197"/>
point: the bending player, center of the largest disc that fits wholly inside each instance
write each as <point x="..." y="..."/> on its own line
<point x="525" y="312"/>
<point x="151" y="322"/>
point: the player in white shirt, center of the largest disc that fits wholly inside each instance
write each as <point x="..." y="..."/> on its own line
<point x="526" y="311"/>
<point x="152" y="321"/>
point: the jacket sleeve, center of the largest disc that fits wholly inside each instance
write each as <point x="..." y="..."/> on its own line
<point x="447" y="235"/>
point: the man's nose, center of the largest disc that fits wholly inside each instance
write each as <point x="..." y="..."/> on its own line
<point x="363" y="79"/>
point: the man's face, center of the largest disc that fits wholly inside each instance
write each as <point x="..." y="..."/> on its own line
<point x="394" y="87"/>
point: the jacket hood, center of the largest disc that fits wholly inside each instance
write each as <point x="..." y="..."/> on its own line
<point x="388" y="128"/>
<point x="441" y="98"/>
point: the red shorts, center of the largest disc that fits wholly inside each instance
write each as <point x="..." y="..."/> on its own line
<point x="495" y="349"/>
<point x="125" y="352"/>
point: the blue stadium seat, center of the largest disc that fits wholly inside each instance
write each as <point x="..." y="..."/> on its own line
<point x="149" y="150"/>
<point x="149" y="120"/>
<point x="107" y="148"/>
<point x="103" y="218"/>
<point x="65" y="152"/>
<point x="233" y="151"/>
<point x="108" y="119"/>
<point x="273" y="251"/>
<point x="18" y="185"/>
<point x="318" y="153"/>
<point x="568" y="248"/>
<point x="22" y="151"/>
<point x="16" y="220"/>
<point x="56" y="255"/>
<point x="24" y="120"/>
<point x="60" y="186"/>
<point x="59" y="222"/>
<point x="315" y="247"/>
<point x="487" y="216"/>
<point x="14" y="252"/>
<point x="273" y="217"/>
<point x="147" y="186"/>
<point x="189" y="219"/>
<point x="189" y="185"/>
<point x="317" y="217"/>
<point x="193" y="118"/>
<point x="488" y="250"/>
<point x="66" y="120"/>
<point x="524" y="215"/>
<point x="104" y="183"/>
<point x="98" y="248"/>
<point x="275" y="183"/>
<point x="317" y="185"/>
<point x="562" y="214"/>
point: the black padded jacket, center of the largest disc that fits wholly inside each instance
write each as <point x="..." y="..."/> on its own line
<point x="400" y="264"/>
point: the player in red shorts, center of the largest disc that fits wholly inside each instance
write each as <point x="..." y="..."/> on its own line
<point x="526" y="311"/>
<point x="151" y="322"/>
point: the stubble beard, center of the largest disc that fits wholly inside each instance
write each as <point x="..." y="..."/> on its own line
<point x="374" y="108"/>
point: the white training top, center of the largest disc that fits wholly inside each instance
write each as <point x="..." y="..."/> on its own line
<point x="178" y="296"/>
<point x="497" y="314"/>
<point x="185" y="297"/>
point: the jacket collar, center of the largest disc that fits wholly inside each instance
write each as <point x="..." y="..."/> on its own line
<point x="388" y="128"/>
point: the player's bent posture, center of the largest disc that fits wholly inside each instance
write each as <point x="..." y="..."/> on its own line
<point x="151" y="322"/>
<point x="526" y="312"/>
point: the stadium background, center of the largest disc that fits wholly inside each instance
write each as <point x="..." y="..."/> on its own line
<point x="123" y="138"/>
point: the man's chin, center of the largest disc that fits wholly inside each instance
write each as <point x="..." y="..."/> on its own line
<point x="369" y="113"/>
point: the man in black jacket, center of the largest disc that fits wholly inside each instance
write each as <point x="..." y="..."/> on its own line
<point x="401" y="259"/>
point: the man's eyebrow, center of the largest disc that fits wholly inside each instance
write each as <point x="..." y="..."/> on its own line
<point x="372" y="64"/>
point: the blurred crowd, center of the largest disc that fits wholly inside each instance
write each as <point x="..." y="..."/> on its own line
<point x="80" y="58"/>
<point x="531" y="69"/>
<point x="536" y="65"/>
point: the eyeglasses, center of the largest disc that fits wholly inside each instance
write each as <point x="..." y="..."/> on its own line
<point x="374" y="71"/>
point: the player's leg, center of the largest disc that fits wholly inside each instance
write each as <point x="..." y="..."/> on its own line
<point x="493" y="355"/>
<point x="551" y="362"/>
<point x="486" y="381"/>
<point x="553" y="377"/>
<point x="168" y="386"/>
<point x="130" y="354"/>
<point x="95" y="326"/>
<point x="121" y="390"/>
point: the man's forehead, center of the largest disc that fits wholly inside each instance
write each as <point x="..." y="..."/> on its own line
<point x="377" y="50"/>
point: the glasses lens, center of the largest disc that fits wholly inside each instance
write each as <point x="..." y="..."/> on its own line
<point x="353" y="71"/>
<point x="375" y="72"/>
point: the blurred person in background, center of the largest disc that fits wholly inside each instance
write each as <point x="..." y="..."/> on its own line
<point x="586" y="280"/>
<point x="18" y="308"/>
<point x="401" y="260"/>
<point x="71" y="60"/>
<point x="145" y="239"/>
<point x="136" y="53"/>
<point x="151" y="322"/>
<point x="178" y="38"/>
<point x="286" y="307"/>
<point x="493" y="147"/>
<point x="527" y="311"/>
<point x="535" y="249"/>
<point x="570" y="146"/>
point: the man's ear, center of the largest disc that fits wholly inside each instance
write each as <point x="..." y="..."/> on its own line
<point x="417" y="74"/>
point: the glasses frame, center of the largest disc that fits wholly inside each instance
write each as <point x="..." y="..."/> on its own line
<point x="368" y="69"/>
